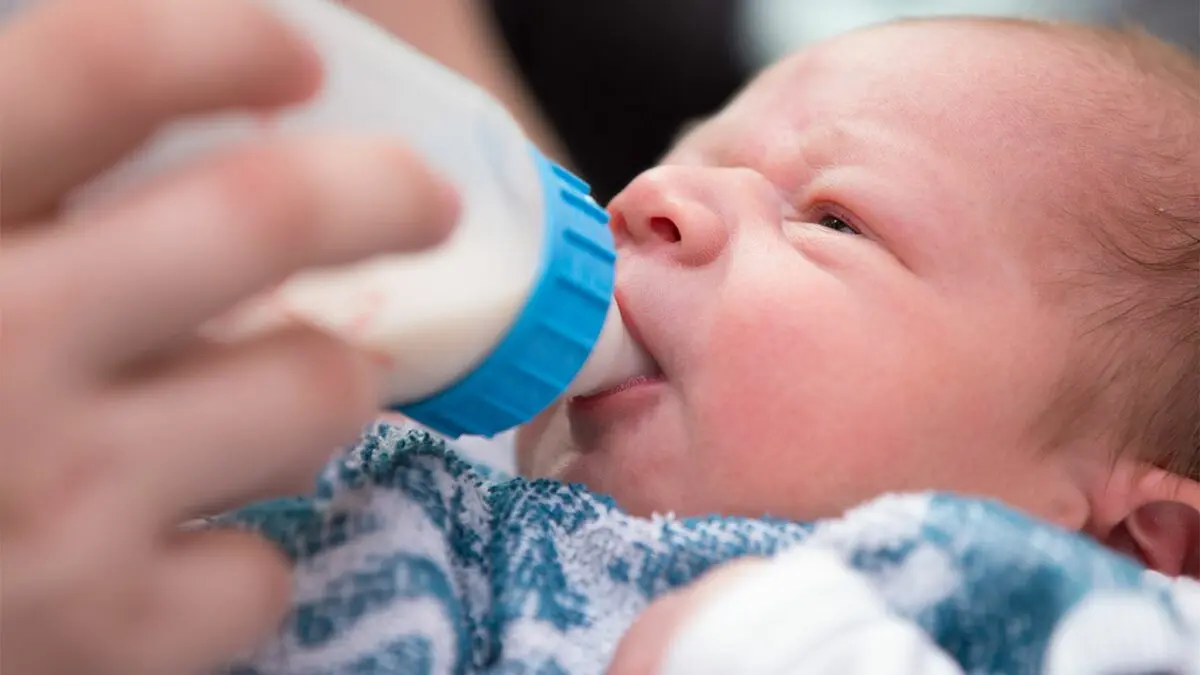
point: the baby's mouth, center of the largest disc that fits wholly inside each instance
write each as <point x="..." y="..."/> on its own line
<point x="636" y="381"/>
<point x="636" y="367"/>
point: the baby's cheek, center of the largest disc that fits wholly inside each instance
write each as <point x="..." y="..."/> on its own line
<point x="756" y="372"/>
<point x="792" y="418"/>
<point x="748" y="430"/>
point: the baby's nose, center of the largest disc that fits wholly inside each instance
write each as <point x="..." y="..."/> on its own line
<point x="664" y="212"/>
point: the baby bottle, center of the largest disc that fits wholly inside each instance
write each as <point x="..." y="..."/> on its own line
<point x="483" y="332"/>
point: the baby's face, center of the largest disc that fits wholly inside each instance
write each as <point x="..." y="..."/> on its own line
<point x="842" y="278"/>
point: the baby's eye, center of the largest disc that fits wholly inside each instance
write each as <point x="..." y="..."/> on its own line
<point x="837" y="224"/>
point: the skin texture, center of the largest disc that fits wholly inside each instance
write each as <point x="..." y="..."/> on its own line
<point x="807" y="368"/>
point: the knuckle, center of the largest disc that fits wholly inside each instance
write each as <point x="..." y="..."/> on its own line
<point x="270" y="204"/>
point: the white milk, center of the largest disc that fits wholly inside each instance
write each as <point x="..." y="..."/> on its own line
<point x="434" y="318"/>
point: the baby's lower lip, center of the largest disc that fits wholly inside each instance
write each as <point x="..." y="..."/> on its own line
<point x="592" y="400"/>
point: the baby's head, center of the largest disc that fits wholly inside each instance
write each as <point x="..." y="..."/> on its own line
<point x="952" y="255"/>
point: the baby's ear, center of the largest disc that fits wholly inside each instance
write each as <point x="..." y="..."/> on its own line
<point x="1152" y="515"/>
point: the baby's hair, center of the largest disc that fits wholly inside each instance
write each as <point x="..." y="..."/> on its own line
<point x="1136" y="375"/>
<point x="1140" y="379"/>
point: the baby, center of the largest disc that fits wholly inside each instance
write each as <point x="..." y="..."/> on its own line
<point x="953" y="255"/>
<point x="959" y="255"/>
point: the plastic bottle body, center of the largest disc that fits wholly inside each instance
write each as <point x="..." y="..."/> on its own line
<point x="431" y="315"/>
<point x="519" y="294"/>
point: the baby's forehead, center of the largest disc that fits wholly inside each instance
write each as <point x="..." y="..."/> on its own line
<point x="990" y="61"/>
<point x="965" y="93"/>
<point x="1013" y="100"/>
<point x="990" y="84"/>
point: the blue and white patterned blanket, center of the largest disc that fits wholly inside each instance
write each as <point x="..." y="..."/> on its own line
<point x="410" y="560"/>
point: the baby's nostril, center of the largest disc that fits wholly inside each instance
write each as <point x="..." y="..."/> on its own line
<point x="665" y="229"/>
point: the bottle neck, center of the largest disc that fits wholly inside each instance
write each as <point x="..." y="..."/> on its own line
<point x="616" y="358"/>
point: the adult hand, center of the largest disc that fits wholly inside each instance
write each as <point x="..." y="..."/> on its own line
<point x="117" y="422"/>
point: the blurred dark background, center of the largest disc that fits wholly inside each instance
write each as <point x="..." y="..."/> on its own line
<point x="617" y="78"/>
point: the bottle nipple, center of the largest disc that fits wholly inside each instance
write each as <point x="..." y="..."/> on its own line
<point x="616" y="359"/>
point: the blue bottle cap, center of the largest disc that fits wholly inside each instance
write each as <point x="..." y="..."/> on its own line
<point x="553" y="335"/>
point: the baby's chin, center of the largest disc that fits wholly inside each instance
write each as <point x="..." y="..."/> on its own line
<point x="639" y="465"/>
<point x="546" y="449"/>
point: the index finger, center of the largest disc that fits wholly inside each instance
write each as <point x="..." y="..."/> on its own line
<point x="147" y="269"/>
<point x="83" y="82"/>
